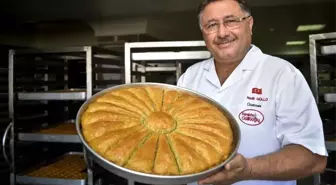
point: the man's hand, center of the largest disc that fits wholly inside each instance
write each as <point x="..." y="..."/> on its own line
<point x="292" y="162"/>
<point x="236" y="170"/>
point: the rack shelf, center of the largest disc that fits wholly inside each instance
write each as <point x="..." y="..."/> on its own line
<point x="169" y="57"/>
<point x="328" y="50"/>
<point x="69" y="169"/>
<point x="330" y="97"/>
<point x="327" y="83"/>
<point x="71" y="94"/>
<point x="63" y="133"/>
<point x="331" y="145"/>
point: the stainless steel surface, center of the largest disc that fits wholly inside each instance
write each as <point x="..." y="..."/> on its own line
<point x="51" y="50"/>
<point x="166" y="44"/>
<point x="150" y="178"/>
<point x="317" y="180"/>
<point x="322" y="36"/>
<point x="89" y="89"/>
<point x="25" y="179"/>
<point x="103" y="52"/>
<point x="10" y="83"/>
<point x="170" y="55"/>
<point x="11" y="110"/>
<point x="58" y="138"/>
<point x="88" y="72"/>
<point x="330" y="97"/>
<point x="88" y="161"/>
<point x="331" y="145"/>
<point x="160" y="69"/>
<point x="178" y="71"/>
<point x="136" y="73"/>
<point x="4" y="138"/>
<point x="12" y="179"/>
<point x="90" y="180"/>
<point x="143" y="71"/>
<point x="331" y="170"/>
<point x="130" y="182"/>
<point x="313" y="67"/>
<point x="35" y="116"/>
<point x="328" y="50"/>
<point x="128" y="63"/>
<point x="70" y="94"/>
<point x="47" y="181"/>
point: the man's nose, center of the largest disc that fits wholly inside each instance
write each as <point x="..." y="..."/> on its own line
<point x="223" y="30"/>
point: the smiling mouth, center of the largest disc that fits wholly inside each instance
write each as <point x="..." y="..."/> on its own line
<point x="225" y="43"/>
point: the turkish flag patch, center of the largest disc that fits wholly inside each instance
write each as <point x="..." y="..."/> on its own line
<point x="256" y="91"/>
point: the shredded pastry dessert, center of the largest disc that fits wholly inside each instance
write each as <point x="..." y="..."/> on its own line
<point x="157" y="130"/>
<point x="68" y="167"/>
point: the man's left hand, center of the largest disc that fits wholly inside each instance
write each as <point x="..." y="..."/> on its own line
<point x="236" y="170"/>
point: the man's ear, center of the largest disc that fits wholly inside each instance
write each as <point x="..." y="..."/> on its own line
<point x="251" y="24"/>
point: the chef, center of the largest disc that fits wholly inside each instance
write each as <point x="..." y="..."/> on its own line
<point x="282" y="136"/>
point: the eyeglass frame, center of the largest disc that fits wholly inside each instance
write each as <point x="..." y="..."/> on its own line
<point x="240" y="19"/>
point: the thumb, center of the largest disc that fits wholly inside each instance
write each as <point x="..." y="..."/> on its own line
<point x="233" y="164"/>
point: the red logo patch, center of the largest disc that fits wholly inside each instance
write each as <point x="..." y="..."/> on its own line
<point x="256" y="91"/>
<point x="251" y="117"/>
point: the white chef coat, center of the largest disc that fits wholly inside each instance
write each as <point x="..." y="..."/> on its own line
<point x="270" y="100"/>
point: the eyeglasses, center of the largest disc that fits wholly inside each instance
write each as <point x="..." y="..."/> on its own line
<point x="231" y="23"/>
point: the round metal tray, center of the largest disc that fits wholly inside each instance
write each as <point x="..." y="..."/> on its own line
<point x="151" y="178"/>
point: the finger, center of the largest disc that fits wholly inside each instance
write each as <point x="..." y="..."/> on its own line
<point x="234" y="163"/>
<point x="218" y="177"/>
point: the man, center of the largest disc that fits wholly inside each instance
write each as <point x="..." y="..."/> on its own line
<point x="282" y="137"/>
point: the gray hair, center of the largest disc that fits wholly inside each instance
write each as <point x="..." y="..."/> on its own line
<point x="242" y="3"/>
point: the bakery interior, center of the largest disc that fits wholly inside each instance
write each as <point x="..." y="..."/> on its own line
<point x="54" y="55"/>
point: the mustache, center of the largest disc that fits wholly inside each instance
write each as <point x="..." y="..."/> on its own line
<point x="224" y="40"/>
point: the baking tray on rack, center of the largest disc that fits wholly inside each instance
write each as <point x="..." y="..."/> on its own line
<point x="328" y="50"/>
<point x="331" y="145"/>
<point x="71" y="94"/>
<point x="64" y="133"/>
<point x="69" y="169"/>
<point x="330" y="97"/>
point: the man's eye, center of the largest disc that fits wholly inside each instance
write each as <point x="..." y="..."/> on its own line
<point x="231" y="21"/>
<point x="211" y="25"/>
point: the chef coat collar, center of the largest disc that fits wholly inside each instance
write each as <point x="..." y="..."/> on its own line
<point x="249" y="62"/>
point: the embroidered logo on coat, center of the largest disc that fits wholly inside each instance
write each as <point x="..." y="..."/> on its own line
<point x="256" y="91"/>
<point x="251" y="117"/>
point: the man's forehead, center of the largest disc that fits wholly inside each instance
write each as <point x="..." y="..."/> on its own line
<point x="211" y="18"/>
<point x="215" y="20"/>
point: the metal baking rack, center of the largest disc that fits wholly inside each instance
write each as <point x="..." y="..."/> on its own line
<point x="323" y="84"/>
<point x="72" y="174"/>
<point x="64" y="132"/>
<point x="331" y="145"/>
<point x="70" y="94"/>
<point x="162" y="62"/>
<point x="46" y="89"/>
<point x="4" y="114"/>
